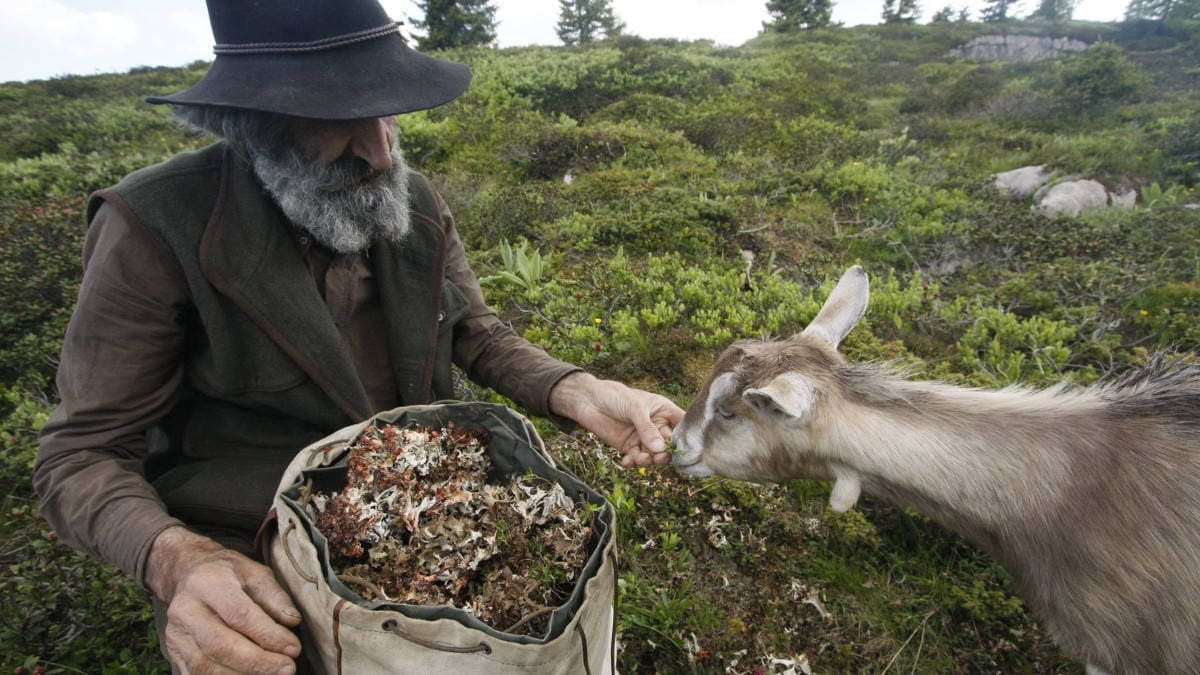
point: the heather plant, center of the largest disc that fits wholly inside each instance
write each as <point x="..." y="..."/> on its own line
<point x="999" y="349"/>
<point x="39" y="275"/>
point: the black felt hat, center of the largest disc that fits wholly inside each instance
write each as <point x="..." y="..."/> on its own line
<point x="321" y="59"/>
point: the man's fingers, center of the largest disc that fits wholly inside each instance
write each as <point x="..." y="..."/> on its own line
<point x="649" y="437"/>
<point x="215" y="607"/>
<point x="231" y="647"/>
<point x="665" y="428"/>
<point x="200" y="644"/>
<point x="242" y="614"/>
<point x="673" y="413"/>
<point x="639" y="458"/>
<point x="261" y="586"/>
<point x="179" y="646"/>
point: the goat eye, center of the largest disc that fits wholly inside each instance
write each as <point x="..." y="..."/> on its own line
<point x="723" y="413"/>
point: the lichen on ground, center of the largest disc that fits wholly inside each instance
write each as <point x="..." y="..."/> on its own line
<point x="418" y="523"/>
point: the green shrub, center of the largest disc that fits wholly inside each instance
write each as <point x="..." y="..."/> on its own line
<point x="1170" y="312"/>
<point x="68" y="612"/>
<point x="1101" y="76"/>
<point x="999" y="349"/>
<point x="39" y="275"/>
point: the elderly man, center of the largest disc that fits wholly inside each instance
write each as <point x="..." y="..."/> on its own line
<point x="244" y="300"/>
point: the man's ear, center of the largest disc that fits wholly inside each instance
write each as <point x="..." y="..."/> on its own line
<point x="788" y="395"/>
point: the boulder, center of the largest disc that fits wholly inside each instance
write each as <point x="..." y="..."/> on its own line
<point x="1070" y="198"/>
<point x="1122" y="199"/>
<point x="1023" y="182"/>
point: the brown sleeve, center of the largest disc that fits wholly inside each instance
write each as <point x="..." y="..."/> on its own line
<point x="490" y="351"/>
<point x="119" y="374"/>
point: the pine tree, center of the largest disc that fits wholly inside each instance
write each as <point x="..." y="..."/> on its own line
<point x="582" y="21"/>
<point x="900" y="11"/>
<point x="1054" y="10"/>
<point x="1146" y="10"/>
<point x="1162" y="10"/>
<point x="792" y="15"/>
<point x="943" y="15"/>
<point x="999" y="10"/>
<point x="456" y="23"/>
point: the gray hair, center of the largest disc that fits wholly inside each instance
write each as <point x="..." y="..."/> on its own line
<point x="248" y="131"/>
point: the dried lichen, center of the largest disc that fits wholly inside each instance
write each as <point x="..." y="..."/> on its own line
<point x="418" y="523"/>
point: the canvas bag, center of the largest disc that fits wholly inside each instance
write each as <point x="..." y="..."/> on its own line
<point x="343" y="633"/>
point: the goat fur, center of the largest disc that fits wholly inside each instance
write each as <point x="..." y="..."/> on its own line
<point x="1090" y="497"/>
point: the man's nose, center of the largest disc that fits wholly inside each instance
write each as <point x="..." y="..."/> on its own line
<point x="371" y="140"/>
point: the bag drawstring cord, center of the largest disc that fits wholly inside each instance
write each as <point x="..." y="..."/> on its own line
<point x="288" y="550"/>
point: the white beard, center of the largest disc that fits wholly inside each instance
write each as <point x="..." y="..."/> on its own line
<point x="345" y="205"/>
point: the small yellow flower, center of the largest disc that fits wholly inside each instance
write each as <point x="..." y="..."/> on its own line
<point x="1144" y="312"/>
<point x="642" y="470"/>
<point x="597" y="321"/>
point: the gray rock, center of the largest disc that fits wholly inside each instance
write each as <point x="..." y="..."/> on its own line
<point x="1023" y="182"/>
<point x="1070" y="198"/>
<point x="1122" y="199"/>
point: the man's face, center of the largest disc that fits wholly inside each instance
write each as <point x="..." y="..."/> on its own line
<point x="326" y="142"/>
<point x="344" y="182"/>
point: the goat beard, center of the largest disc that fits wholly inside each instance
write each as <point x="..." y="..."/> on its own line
<point x="345" y="205"/>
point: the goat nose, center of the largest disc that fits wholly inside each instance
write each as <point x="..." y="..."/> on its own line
<point x="681" y="452"/>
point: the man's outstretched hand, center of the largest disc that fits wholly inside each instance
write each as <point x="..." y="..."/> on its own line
<point x="225" y="613"/>
<point x="636" y="422"/>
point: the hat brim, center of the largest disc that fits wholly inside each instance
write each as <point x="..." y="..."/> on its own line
<point x="376" y="78"/>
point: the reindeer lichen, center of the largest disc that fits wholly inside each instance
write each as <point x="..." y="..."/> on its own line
<point x="418" y="522"/>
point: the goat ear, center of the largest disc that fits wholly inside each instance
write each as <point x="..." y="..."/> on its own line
<point x="788" y="394"/>
<point x="843" y="308"/>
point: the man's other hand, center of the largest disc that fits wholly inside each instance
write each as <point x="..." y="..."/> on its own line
<point x="225" y="612"/>
<point x="636" y="422"/>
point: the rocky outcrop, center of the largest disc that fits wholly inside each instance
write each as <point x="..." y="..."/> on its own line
<point x="1016" y="48"/>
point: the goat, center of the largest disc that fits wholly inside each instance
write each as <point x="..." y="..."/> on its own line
<point x="1089" y="497"/>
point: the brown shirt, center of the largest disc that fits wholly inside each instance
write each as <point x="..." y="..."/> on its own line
<point x="348" y="286"/>
<point x="121" y="372"/>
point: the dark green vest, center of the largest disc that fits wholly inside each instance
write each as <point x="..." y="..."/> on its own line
<point x="265" y="370"/>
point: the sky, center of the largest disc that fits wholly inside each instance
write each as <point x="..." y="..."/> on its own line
<point x="47" y="38"/>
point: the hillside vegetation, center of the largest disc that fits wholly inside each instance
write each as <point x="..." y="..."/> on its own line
<point x="637" y="205"/>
